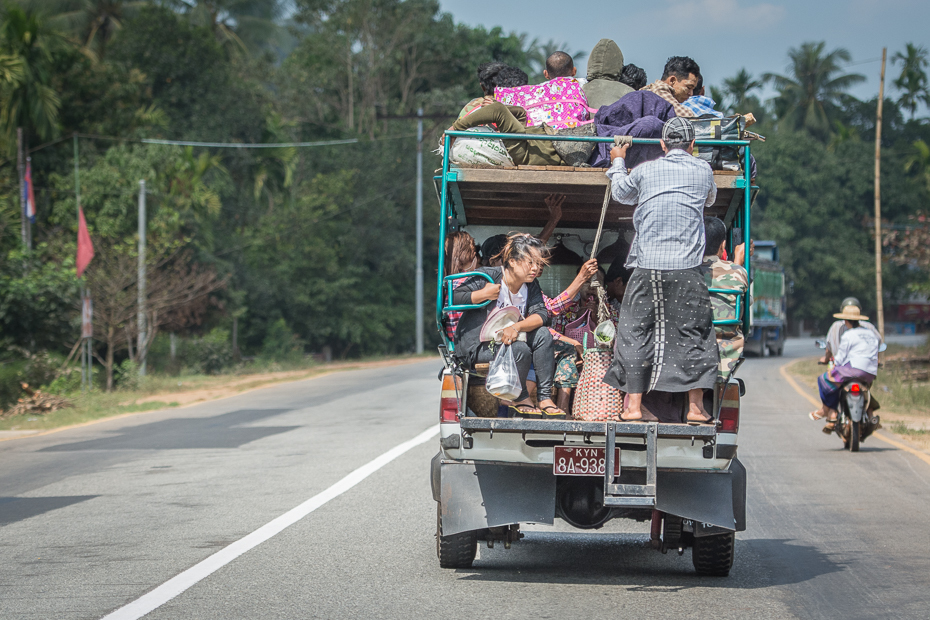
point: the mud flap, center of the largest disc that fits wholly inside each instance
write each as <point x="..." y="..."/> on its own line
<point x="475" y="496"/>
<point x="711" y="498"/>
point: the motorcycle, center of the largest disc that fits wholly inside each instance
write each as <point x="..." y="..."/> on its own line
<point x="856" y="417"/>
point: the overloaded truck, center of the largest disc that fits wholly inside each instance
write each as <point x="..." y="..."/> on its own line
<point x="769" y="319"/>
<point x="493" y="474"/>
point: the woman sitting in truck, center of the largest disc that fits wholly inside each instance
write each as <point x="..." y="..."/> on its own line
<point x="461" y="257"/>
<point x="514" y="285"/>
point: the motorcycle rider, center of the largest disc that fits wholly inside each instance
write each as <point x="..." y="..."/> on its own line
<point x="855" y="359"/>
<point x="839" y="327"/>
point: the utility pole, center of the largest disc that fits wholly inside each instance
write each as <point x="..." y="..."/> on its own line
<point x="878" y="201"/>
<point x="140" y="341"/>
<point x="419" y="312"/>
<point x="21" y="167"/>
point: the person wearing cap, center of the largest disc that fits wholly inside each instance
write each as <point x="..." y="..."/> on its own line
<point x="665" y="334"/>
<point x="856" y="359"/>
<point x="839" y="327"/>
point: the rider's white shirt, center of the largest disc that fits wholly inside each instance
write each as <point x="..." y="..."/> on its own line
<point x="859" y="349"/>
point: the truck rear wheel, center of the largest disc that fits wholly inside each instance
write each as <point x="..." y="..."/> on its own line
<point x="456" y="550"/>
<point x="713" y="555"/>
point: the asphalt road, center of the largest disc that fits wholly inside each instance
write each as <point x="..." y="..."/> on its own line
<point x="93" y="518"/>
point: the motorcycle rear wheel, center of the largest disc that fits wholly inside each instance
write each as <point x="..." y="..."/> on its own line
<point x="853" y="442"/>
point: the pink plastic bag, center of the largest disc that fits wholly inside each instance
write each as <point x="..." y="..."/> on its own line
<point x="559" y="103"/>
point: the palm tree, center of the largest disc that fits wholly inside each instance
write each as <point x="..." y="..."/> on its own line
<point x="243" y="24"/>
<point x="913" y="79"/>
<point x="737" y="89"/>
<point x="92" y="22"/>
<point x="918" y="162"/>
<point x="537" y="52"/>
<point x="812" y="91"/>
<point x="30" y="102"/>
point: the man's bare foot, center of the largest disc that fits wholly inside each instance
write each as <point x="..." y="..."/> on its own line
<point x="631" y="416"/>
<point x="697" y="415"/>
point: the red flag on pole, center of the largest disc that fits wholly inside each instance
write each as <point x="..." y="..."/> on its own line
<point x="85" y="249"/>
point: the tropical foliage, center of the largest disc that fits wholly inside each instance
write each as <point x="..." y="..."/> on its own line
<point x="297" y="250"/>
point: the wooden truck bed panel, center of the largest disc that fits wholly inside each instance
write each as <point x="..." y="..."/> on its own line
<point x="515" y="196"/>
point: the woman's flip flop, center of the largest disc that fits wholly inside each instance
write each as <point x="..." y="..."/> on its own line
<point x="553" y="413"/>
<point x="527" y="412"/>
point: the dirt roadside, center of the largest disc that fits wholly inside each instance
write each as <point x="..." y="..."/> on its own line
<point x="172" y="399"/>
<point x="237" y="385"/>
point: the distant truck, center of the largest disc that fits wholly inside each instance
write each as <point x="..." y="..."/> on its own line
<point x="768" y="319"/>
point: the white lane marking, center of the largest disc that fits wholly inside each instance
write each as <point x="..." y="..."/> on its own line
<point x="175" y="586"/>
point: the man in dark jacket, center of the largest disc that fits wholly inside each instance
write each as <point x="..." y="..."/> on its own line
<point x="605" y="64"/>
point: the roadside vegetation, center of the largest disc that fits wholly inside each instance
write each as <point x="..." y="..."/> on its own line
<point x="290" y="255"/>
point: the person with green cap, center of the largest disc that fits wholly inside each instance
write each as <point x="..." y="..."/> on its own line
<point x="605" y="65"/>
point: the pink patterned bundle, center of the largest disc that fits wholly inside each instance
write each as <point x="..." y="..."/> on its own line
<point x="559" y="103"/>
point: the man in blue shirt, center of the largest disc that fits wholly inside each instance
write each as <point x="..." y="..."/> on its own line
<point x="699" y="104"/>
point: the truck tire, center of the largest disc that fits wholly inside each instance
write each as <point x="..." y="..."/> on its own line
<point x="713" y="555"/>
<point x="456" y="550"/>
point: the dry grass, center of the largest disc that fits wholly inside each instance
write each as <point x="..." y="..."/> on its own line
<point x="161" y="392"/>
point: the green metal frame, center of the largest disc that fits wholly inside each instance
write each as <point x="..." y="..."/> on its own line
<point x="455" y="276"/>
<point x="739" y="298"/>
<point x="447" y="176"/>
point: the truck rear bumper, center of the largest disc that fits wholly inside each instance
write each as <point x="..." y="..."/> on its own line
<point x="475" y="495"/>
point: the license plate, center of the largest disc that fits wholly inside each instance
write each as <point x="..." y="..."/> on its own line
<point x="571" y="461"/>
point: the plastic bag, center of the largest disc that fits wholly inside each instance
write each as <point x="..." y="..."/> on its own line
<point x="503" y="380"/>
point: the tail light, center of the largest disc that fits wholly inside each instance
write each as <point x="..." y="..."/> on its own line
<point x="855" y="388"/>
<point x="729" y="410"/>
<point x="449" y="398"/>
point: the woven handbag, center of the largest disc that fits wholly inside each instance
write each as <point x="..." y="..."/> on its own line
<point x="584" y="324"/>
<point x="595" y="401"/>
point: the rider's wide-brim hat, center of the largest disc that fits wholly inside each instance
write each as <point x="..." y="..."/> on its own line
<point x="851" y="313"/>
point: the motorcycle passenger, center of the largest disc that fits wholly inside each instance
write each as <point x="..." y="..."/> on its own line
<point x="839" y="327"/>
<point x="856" y="359"/>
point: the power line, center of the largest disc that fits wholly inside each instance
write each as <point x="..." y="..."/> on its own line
<point x="248" y="145"/>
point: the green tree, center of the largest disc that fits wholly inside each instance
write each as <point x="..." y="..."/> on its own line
<point x="37" y="304"/>
<point x="810" y="95"/>
<point x="190" y="77"/>
<point x="918" y="162"/>
<point x="92" y="22"/>
<point x="913" y="79"/>
<point x="247" y="25"/>
<point x="30" y="102"/>
<point x="736" y="94"/>
<point x="537" y="52"/>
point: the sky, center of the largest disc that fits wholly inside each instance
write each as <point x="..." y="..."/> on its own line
<point x="721" y="35"/>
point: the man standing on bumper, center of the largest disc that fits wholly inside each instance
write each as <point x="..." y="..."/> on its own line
<point x="665" y="334"/>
